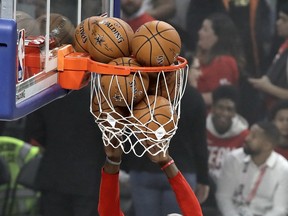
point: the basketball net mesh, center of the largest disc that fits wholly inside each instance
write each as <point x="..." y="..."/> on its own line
<point x="123" y="129"/>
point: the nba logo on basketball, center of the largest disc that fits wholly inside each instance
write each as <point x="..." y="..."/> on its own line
<point x="160" y="60"/>
<point x="21" y="55"/>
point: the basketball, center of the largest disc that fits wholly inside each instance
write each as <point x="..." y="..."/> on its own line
<point x="107" y="114"/>
<point x="109" y="39"/>
<point x="156" y="43"/>
<point x="81" y="41"/>
<point x="156" y="117"/>
<point x="164" y="84"/>
<point x="27" y="22"/>
<point x="125" y="61"/>
<point x="125" y="90"/>
<point x="61" y="28"/>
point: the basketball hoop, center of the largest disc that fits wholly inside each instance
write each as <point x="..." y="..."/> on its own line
<point x="145" y="126"/>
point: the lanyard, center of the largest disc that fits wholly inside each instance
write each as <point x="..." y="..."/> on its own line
<point x="282" y="48"/>
<point x="256" y="185"/>
<point x="253" y="191"/>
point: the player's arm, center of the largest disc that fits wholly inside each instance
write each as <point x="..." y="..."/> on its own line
<point x="185" y="196"/>
<point x="109" y="196"/>
<point x="264" y="84"/>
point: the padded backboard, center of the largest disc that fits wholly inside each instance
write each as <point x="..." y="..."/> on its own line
<point x="31" y="32"/>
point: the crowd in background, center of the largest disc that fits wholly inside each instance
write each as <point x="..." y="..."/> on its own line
<point x="232" y="140"/>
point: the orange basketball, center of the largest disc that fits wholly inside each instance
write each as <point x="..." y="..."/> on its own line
<point x="125" y="61"/>
<point x="107" y="114"/>
<point x="156" y="117"/>
<point x="27" y="22"/>
<point x="81" y="41"/>
<point x="109" y="39"/>
<point x="61" y="28"/>
<point x="164" y="84"/>
<point x="125" y="90"/>
<point x="156" y="43"/>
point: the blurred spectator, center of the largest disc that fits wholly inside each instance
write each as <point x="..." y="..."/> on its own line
<point x="274" y="83"/>
<point x="253" y="179"/>
<point x="220" y="55"/>
<point x="197" y="11"/>
<point x="276" y="39"/>
<point x="226" y="130"/>
<point x="254" y="20"/>
<point x="14" y="128"/>
<point x="160" y="9"/>
<point x="134" y="14"/>
<point x="279" y="116"/>
<point x="17" y="153"/>
<point x="69" y="173"/>
<point x="151" y="193"/>
<point x="138" y="12"/>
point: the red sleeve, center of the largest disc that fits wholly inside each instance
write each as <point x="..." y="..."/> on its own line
<point x="109" y="197"/>
<point x="222" y="70"/>
<point x="185" y="196"/>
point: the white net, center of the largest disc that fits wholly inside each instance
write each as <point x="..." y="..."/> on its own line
<point x="138" y="112"/>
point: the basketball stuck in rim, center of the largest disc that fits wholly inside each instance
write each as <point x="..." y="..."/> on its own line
<point x="81" y="41"/>
<point x="156" y="118"/>
<point x="109" y="39"/>
<point x="156" y="43"/>
<point x="125" y="90"/>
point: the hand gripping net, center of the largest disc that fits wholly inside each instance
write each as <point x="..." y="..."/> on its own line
<point x="121" y="126"/>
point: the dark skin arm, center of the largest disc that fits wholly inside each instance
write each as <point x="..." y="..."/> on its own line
<point x="161" y="159"/>
<point x="115" y="155"/>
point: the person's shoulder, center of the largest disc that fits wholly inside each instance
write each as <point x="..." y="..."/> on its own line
<point x="278" y="164"/>
<point x="281" y="161"/>
<point x="225" y="59"/>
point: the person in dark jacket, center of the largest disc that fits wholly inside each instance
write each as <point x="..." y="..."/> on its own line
<point x="274" y="84"/>
<point x="70" y="171"/>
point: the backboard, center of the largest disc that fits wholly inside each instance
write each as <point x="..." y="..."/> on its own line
<point x="31" y="32"/>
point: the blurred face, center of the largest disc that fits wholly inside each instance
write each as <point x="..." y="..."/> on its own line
<point x="281" y="121"/>
<point x="254" y="140"/>
<point x="194" y="72"/>
<point x="207" y="37"/>
<point x="223" y="112"/>
<point x="129" y="7"/>
<point x="282" y="25"/>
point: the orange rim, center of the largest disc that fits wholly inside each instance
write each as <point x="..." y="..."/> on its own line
<point x="102" y="68"/>
<point x="75" y="61"/>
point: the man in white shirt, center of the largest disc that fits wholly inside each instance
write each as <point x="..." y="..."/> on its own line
<point x="253" y="179"/>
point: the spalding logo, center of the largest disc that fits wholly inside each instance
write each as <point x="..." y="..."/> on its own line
<point x="116" y="33"/>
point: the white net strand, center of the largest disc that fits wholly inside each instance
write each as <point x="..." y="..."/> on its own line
<point x="122" y="128"/>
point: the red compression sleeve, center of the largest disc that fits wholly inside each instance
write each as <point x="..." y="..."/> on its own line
<point x="185" y="196"/>
<point x="109" y="196"/>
